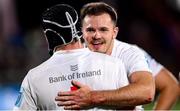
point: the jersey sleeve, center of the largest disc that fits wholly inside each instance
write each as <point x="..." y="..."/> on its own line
<point x="25" y="100"/>
<point x="135" y="60"/>
<point x="153" y="64"/>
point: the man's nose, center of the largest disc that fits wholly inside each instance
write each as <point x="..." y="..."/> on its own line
<point x="97" y="35"/>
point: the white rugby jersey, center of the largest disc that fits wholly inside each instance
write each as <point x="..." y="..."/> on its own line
<point x="131" y="55"/>
<point x="153" y="64"/>
<point x="42" y="83"/>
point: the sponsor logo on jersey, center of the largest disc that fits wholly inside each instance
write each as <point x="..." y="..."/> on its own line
<point x="74" y="67"/>
<point x="75" y="75"/>
<point x="57" y="79"/>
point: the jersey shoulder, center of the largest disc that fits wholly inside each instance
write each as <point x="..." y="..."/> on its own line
<point x="124" y="49"/>
<point x="36" y="72"/>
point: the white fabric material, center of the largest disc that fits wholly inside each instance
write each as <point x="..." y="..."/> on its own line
<point x="131" y="55"/>
<point x="153" y="64"/>
<point x="41" y="84"/>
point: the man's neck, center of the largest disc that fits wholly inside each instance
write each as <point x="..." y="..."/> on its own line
<point x="110" y="49"/>
<point x="72" y="46"/>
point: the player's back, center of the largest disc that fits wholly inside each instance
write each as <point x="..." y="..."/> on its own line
<point x="99" y="71"/>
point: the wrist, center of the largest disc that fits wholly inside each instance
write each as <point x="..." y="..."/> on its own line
<point x="97" y="98"/>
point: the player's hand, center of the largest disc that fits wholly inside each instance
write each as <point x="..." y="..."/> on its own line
<point x="78" y="99"/>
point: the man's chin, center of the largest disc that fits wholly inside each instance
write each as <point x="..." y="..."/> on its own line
<point x="97" y="50"/>
<point x="100" y="51"/>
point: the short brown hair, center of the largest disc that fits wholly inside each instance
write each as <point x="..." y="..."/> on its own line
<point x="97" y="8"/>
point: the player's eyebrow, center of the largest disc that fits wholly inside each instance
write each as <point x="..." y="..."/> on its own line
<point x="103" y="29"/>
<point x="90" y="29"/>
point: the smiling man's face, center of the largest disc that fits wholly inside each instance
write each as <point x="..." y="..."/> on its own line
<point x="99" y="32"/>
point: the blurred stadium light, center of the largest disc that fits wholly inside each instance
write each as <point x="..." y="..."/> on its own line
<point x="175" y="4"/>
<point x="8" y="96"/>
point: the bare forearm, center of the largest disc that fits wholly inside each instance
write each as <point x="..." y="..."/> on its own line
<point x="165" y="102"/>
<point x="132" y="95"/>
<point x="166" y="98"/>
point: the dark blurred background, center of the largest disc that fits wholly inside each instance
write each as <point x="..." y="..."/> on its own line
<point x="154" y="25"/>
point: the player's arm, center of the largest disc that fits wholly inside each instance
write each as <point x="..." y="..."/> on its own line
<point x="140" y="91"/>
<point x="165" y="83"/>
<point x="167" y="86"/>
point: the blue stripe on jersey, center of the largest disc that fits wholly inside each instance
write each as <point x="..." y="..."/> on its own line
<point x="19" y="99"/>
<point x="148" y="58"/>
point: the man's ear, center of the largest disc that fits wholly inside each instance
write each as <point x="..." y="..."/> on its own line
<point x="116" y="30"/>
